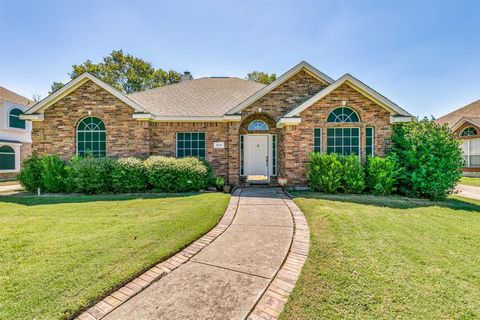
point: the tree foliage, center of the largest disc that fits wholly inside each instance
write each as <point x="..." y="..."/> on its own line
<point x="428" y="158"/>
<point x="124" y="72"/>
<point x="261" y="77"/>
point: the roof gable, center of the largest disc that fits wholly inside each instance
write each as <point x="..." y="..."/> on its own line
<point x="475" y="121"/>
<point x="471" y="110"/>
<point x="280" y="80"/>
<point x="76" y="83"/>
<point x="359" y="86"/>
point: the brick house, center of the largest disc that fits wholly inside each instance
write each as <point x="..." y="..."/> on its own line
<point x="15" y="139"/>
<point x="465" y="124"/>
<point x="248" y="131"/>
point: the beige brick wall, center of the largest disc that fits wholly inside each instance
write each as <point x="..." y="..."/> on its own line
<point x="298" y="140"/>
<point x="163" y="141"/>
<point x="57" y="134"/>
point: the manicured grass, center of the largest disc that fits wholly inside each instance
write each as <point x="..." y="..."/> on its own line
<point x="388" y="258"/>
<point x="470" y="181"/>
<point x="59" y="254"/>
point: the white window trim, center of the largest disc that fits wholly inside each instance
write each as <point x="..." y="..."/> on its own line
<point x="77" y="131"/>
<point x="176" y="142"/>
<point x="16" y="148"/>
<point x="321" y="138"/>
<point x="15" y="128"/>
<point x="469" y="154"/>
<point x="359" y="137"/>
<point x="373" y="141"/>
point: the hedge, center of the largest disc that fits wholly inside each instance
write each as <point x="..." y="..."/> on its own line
<point x="91" y="175"/>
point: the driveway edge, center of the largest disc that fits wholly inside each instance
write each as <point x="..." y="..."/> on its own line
<point x="271" y="303"/>
<point x="120" y="296"/>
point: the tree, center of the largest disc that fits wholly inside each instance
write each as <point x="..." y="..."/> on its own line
<point x="428" y="157"/>
<point x="261" y="77"/>
<point x="124" y="72"/>
<point x="55" y="86"/>
<point x="36" y="97"/>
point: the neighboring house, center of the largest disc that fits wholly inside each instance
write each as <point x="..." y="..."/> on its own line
<point x="465" y="124"/>
<point x="248" y="131"/>
<point x="15" y="140"/>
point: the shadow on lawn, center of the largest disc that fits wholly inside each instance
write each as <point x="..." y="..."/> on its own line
<point x="33" y="200"/>
<point x="394" y="202"/>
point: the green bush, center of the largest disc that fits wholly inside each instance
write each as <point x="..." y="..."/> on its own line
<point x="381" y="175"/>
<point x="353" y="175"/>
<point x="176" y="175"/>
<point x="53" y="173"/>
<point x="30" y="176"/>
<point x="325" y="172"/>
<point x="93" y="175"/>
<point x="128" y="175"/>
<point x="428" y="158"/>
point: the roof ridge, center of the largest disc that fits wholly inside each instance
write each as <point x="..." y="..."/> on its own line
<point x="176" y="84"/>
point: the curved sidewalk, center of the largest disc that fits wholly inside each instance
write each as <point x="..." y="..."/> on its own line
<point x="244" y="272"/>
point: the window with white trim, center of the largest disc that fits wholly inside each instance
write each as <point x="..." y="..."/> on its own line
<point x="91" y="137"/>
<point x="191" y="144"/>
<point x="14" y="120"/>
<point x="471" y="152"/>
<point x="7" y="158"/>
<point x="344" y="141"/>
<point x="257" y="125"/>
<point x="468" y="132"/>
<point x="317" y="140"/>
<point x="343" y="114"/>
<point x="370" y="141"/>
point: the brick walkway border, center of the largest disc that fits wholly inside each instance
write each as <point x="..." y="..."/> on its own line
<point x="271" y="303"/>
<point x="117" y="298"/>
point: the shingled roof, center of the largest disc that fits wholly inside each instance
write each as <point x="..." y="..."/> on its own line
<point x="471" y="110"/>
<point x="10" y="96"/>
<point x="200" y="97"/>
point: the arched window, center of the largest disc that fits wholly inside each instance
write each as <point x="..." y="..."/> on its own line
<point x="91" y="137"/>
<point x="343" y="114"/>
<point x="7" y="158"/>
<point x="468" y="131"/>
<point x="14" y="119"/>
<point x="257" y="125"/>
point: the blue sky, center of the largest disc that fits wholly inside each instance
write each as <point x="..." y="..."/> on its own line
<point x="423" y="55"/>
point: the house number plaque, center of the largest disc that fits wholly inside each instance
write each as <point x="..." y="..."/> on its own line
<point x="218" y="145"/>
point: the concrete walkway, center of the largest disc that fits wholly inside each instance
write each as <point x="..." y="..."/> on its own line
<point x="468" y="191"/>
<point x="226" y="278"/>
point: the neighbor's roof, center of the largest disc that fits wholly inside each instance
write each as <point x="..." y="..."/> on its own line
<point x="471" y="110"/>
<point x="200" y="97"/>
<point x="12" y="97"/>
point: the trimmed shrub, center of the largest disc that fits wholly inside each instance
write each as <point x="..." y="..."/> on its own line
<point x="53" y="173"/>
<point x="325" y="172"/>
<point x="176" y="175"/>
<point x="353" y="175"/>
<point x="381" y="175"/>
<point x="93" y="175"/>
<point x="128" y="175"/>
<point x="428" y="157"/>
<point x="30" y="176"/>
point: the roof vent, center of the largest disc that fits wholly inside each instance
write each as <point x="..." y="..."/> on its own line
<point x="185" y="76"/>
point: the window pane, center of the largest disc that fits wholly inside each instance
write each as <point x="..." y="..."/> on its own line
<point x="191" y="144"/>
<point x="91" y="137"/>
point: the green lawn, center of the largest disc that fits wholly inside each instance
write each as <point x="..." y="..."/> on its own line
<point x="388" y="258"/>
<point x="59" y="254"/>
<point x="470" y="181"/>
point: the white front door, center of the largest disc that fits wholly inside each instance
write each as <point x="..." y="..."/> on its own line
<point x="256" y="155"/>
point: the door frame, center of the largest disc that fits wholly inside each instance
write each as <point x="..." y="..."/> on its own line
<point x="269" y="153"/>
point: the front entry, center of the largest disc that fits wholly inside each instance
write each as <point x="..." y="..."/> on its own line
<point x="256" y="158"/>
